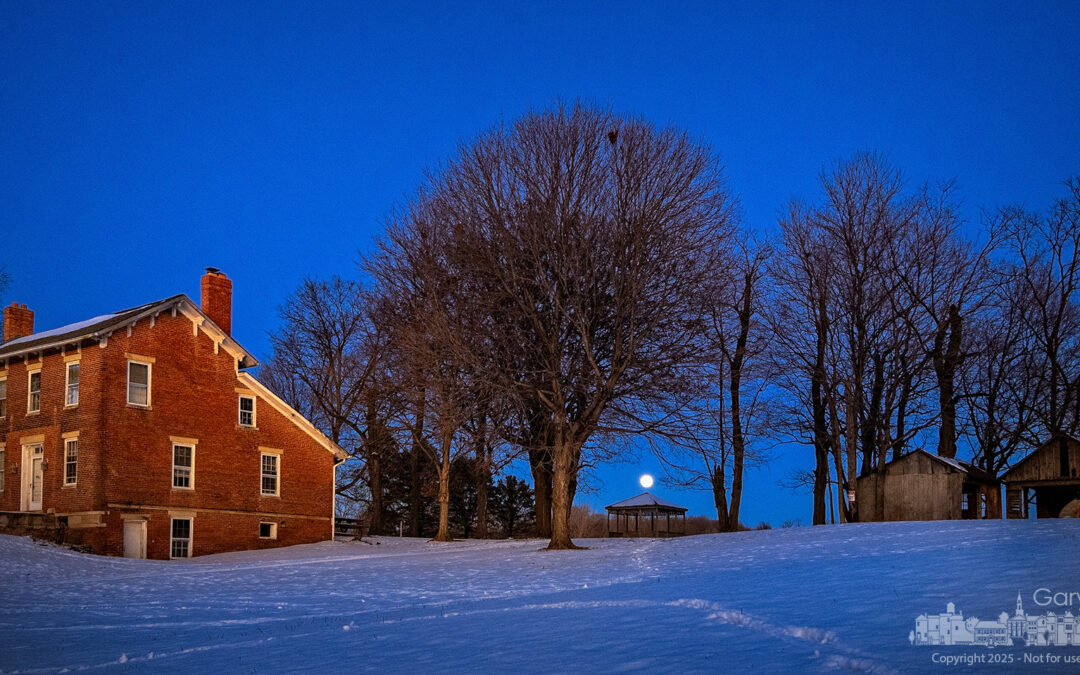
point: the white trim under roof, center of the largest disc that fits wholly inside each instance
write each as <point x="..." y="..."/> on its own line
<point x="296" y="418"/>
<point x="70" y="334"/>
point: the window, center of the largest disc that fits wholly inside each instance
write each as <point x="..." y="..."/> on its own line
<point x="71" y="398"/>
<point x="247" y="411"/>
<point x="33" y="403"/>
<point x="183" y="471"/>
<point x="267" y="530"/>
<point x="71" y="460"/>
<point x="180" y="544"/>
<point x="138" y="388"/>
<point x="3" y="398"/>
<point x="269" y="474"/>
<point x="3" y="459"/>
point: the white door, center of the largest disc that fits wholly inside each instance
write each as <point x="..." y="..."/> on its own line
<point x="134" y="538"/>
<point x="33" y="459"/>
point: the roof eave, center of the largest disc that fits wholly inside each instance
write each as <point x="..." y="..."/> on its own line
<point x="104" y="330"/>
<point x="294" y="416"/>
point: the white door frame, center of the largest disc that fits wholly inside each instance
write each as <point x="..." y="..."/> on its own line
<point x="132" y="522"/>
<point x="29" y="457"/>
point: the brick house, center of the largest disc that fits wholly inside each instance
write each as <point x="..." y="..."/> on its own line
<point x="140" y="434"/>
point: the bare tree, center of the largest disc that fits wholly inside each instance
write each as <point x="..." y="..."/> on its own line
<point x="433" y="325"/>
<point x="1045" y="280"/>
<point x="802" y="324"/>
<point x="945" y="282"/>
<point x="328" y="358"/>
<point x="850" y="356"/>
<point x="733" y="408"/>
<point x="999" y="395"/>
<point x="589" y="237"/>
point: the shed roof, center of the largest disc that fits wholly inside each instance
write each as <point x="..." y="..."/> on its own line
<point x="646" y="500"/>
<point x="1015" y="468"/>
<point x="951" y="462"/>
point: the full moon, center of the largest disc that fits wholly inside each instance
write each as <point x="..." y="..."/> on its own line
<point x="646" y="481"/>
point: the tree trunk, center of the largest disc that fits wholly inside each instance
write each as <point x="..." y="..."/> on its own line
<point x="415" y="486"/>
<point x="738" y="443"/>
<point x="901" y="409"/>
<point x="376" y="523"/>
<point x="873" y="417"/>
<point x="561" y="495"/>
<point x="821" y="484"/>
<point x="540" y="463"/>
<point x="444" y="494"/>
<point x="946" y="362"/>
<point x="483" y="477"/>
<point x="375" y="439"/>
<point x="571" y="489"/>
<point x="852" y="451"/>
<point x="719" y="492"/>
<point x="821" y="431"/>
<point x="842" y="485"/>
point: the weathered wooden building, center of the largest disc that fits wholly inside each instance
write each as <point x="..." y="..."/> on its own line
<point x="924" y="486"/>
<point x="1048" y="479"/>
<point x="646" y="516"/>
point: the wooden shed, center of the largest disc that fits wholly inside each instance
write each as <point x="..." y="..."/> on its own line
<point x="646" y="516"/>
<point x="1048" y="479"/>
<point x="923" y="486"/>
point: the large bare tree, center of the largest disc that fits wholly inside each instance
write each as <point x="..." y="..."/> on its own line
<point x="586" y="238"/>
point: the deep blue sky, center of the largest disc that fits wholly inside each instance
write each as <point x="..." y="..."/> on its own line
<point x="142" y="142"/>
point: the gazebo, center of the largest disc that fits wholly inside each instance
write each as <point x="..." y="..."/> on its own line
<point x="646" y="515"/>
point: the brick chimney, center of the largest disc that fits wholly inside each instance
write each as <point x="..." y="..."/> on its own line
<point x="217" y="298"/>
<point x="18" y="322"/>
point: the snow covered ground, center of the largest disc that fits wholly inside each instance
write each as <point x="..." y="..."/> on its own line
<point x="793" y="600"/>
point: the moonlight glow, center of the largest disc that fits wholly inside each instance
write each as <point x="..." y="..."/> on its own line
<point x="646" y="481"/>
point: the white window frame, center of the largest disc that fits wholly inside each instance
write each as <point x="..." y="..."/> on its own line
<point x="273" y="530"/>
<point x="30" y="409"/>
<point x="240" y="410"/>
<point x="3" y="467"/>
<point x="67" y="384"/>
<point x="69" y="445"/>
<point x="190" y="539"/>
<point x="149" y="382"/>
<point x="3" y="398"/>
<point x="277" y="473"/>
<point x="190" y="469"/>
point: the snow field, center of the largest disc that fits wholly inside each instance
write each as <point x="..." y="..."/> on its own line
<point x="797" y="600"/>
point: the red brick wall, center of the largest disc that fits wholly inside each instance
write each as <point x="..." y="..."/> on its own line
<point x="210" y="533"/>
<point x="195" y="397"/>
<point x="54" y="420"/>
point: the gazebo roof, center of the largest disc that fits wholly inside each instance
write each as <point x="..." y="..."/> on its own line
<point x="646" y="500"/>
